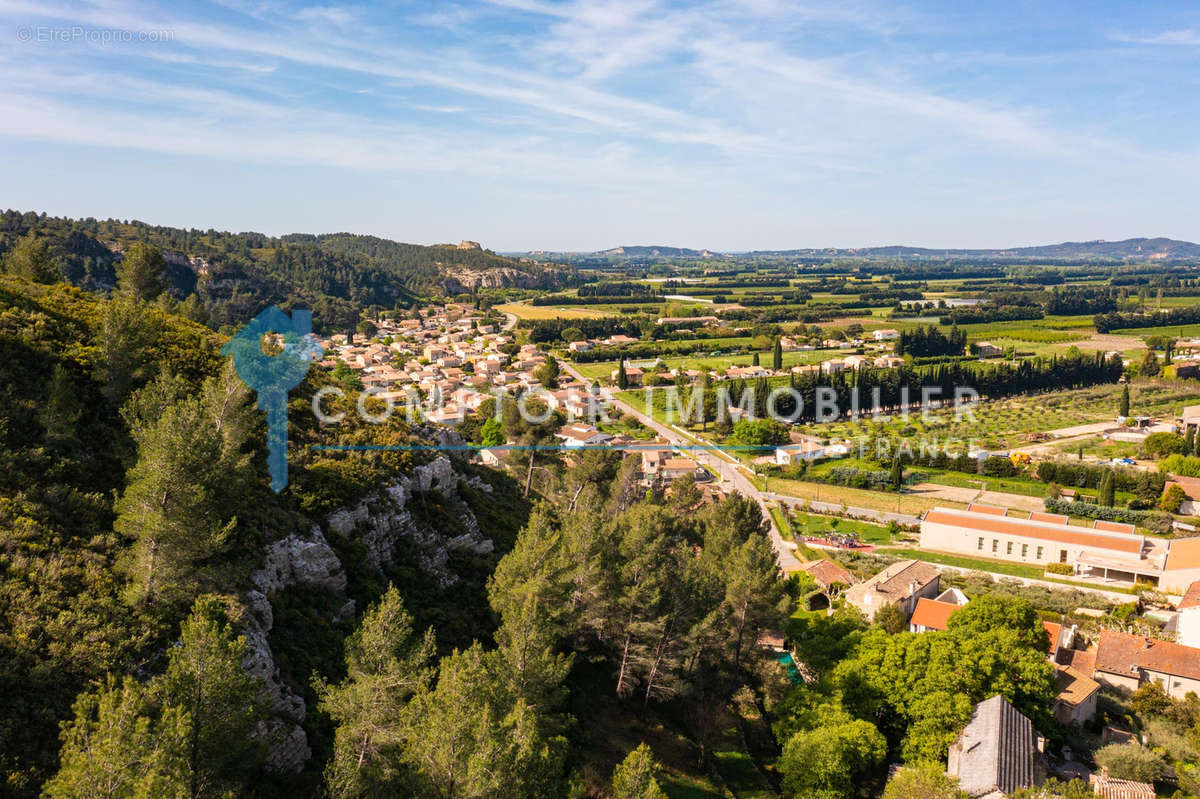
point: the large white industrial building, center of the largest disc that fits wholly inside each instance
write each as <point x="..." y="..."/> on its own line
<point x="1106" y="550"/>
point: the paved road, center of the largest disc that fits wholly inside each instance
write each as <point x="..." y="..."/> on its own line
<point x="731" y="477"/>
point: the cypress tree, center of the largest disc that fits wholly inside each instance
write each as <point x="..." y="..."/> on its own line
<point x="777" y="356"/>
<point x="1125" y="400"/>
<point x="1107" y="490"/>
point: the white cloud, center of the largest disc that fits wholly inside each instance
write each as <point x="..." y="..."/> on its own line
<point x="1183" y="36"/>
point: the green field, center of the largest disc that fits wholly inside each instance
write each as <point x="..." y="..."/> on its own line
<point x="1183" y="331"/>
<point x="816" y="525"/>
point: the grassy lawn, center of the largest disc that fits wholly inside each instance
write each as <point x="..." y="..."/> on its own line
<point x="738" y="772"/>
<point x="817" y="525"/>
<point x="1009" y="485"/>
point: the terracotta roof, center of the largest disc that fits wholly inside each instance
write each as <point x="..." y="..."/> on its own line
<point x="1192" y="598"/>
<point x="1190" y="485"/>
<point x="1054" y="632"/>
<point x="991" y="509"/>
<point x="1061" y="533"/>
<point x="932" y="614"/>
<point x="1053" y="518"/>
<point x="672" y="464"/>
<point x="1113" y="527"/>
<point x="826" y="573"/>
<point x="1184" y="554"/>
<point x="1073" y="686"/>
<point x="1083" y="661"/>
<point x="1124" y="654"/>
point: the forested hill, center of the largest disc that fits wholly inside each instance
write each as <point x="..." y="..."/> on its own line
<point x="134" y="495"/>
<point x="234" y="275"/>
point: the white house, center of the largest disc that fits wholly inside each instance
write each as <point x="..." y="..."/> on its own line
<point x="886" y="334"/>
<point x="807" y="450"/>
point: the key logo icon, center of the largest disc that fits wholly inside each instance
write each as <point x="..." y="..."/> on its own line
<point x="273" y="375"/>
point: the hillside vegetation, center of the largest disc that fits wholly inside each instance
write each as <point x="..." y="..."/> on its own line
<point x="234" y="275"/>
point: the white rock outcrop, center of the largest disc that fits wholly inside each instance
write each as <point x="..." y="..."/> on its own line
<point x="379" y="521"/>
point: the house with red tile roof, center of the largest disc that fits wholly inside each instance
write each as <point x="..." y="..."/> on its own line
<point x="930" y="615"/>
<point x="1127" y="662"/>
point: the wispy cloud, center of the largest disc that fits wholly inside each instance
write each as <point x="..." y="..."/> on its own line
<point x="1182" y="36"/>
<point x="764" y="102"/>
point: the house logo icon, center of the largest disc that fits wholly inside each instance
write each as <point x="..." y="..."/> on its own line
<point x="273" y="374"/>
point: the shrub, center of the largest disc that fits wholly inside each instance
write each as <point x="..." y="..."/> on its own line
<point x="1172" y="498"/>
<point x="1186" y="465"/>
<point x="1060" y="568"/>
<point x="1130" y="761"/>
<point x="1160" y="445"/>
<point x="1152" y="520"/>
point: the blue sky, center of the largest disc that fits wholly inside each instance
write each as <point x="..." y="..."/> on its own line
<point x="583" y="124"/>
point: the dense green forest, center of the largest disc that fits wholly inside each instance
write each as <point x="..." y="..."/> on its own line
<point x="234" y="275"/>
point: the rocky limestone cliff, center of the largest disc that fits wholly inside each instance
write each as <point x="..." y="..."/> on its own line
<point x="462" y="281"/>
<point x="380" y="521"/>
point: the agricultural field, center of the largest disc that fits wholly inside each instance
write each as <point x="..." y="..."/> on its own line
<point x="1005" y="424"/>
<point x="856" y="497"/>
<point x="604" y="369"/>
<point x="523" y="310"/>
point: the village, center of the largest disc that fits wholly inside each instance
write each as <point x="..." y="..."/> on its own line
<point x="454" y="359"/>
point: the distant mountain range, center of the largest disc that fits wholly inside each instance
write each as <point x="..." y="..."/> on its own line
<point x="1140" y="248"/>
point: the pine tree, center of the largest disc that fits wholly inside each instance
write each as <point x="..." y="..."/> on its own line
<point x="181" y="496"/>
<point x="206" y="681"/>
<point x="777" y="356"/>
<point x="139" y="275"/>
<point x="113" y="749"/>
<point x="636" y="777"/>
<point x="386" y="664"/>
<point x="463" y="741"/>
<point x="125" y="332"/>
<point x="1125" y="401"/>
<point x="31" y="258"/>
